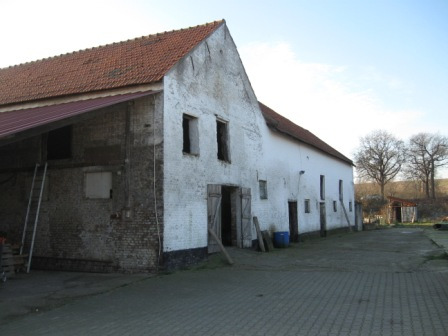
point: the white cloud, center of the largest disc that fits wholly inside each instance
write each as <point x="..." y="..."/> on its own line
<point x="322" y="98"/>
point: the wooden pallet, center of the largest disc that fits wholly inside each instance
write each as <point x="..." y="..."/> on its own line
<point x="12" y="262"/>
<point x="8" y="261"/>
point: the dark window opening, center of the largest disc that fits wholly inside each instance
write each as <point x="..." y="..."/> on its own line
<point x="186" y="128"/>
<point x="307" y="206"/>
<point x="335" y="206"/>
<point x="222" y="137"/>
<point x="263" y="189"/>
<point x="341" y="190"/>
<point x="59" y="143"/>
<point x="190" y="135"/>
<point x="322" y="187"/>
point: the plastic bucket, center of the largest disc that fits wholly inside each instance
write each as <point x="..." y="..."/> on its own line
<point x="281" y="239"/>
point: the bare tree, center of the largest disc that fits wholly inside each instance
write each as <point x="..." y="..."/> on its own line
<point x="380" y="157"/>
<point x="427" y="152"/>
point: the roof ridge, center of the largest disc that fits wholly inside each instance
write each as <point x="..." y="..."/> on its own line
<point x="216" y="22"/>
<point x="284" y="125"/>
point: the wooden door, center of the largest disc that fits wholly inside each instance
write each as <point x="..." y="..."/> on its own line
<point x="323" y="220"/>
<point x="214" y="215"/>
<point x="246" y="217"/>
<point x="293" y="222"/>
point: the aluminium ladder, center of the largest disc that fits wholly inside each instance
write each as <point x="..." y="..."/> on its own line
<point x="32" y="212"/>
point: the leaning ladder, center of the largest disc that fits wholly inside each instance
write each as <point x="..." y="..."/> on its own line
<point x="346" y="215"/>
<point x="36" y="203"/>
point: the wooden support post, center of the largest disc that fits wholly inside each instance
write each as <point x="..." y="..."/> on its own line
<point x="346" y="216"/>
<point x="221" y="246"/>
<point x="259" y="236"/>
<point x="267" y="240"/>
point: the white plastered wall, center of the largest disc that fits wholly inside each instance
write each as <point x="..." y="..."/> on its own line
<point x="211" y="83"/>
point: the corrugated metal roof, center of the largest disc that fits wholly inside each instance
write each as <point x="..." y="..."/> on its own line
<point x="20" y="120"/>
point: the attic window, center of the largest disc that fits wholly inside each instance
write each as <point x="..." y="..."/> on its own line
<point x="322" y="187"/>
<point x="223" y="140"/>
<point x="59" y="143"/>
<point x="341" y="190"/>
<point x="190" y="135"/>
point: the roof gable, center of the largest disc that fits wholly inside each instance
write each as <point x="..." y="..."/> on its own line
<point x="139" y="61"/>
<point x="285" y="126"/>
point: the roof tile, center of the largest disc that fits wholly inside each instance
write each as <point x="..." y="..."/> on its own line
<point x="139" y="61"/>
<point x="281" y="124"/>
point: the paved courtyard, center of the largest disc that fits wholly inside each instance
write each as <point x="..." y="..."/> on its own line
<point x="383" y="282"/>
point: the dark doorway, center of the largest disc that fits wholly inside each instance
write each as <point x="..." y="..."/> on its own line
<point x="59" y="143"/>
<point x="293" y="222"/>
<point x="323" y="220"/>
<point x="228" y="216"/>
<point x="397" y="210"/>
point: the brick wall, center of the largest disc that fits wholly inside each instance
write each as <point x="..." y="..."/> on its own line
<point x="77" y="233"/>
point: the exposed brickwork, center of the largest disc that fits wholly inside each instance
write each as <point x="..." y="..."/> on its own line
<point x="77" y="233"/>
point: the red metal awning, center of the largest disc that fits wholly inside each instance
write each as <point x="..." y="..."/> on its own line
<point x="13" y="122"/>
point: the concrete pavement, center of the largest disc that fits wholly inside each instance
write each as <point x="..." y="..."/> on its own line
<point x="383" y="282"/>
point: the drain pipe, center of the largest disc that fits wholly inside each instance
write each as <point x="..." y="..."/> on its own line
<point x="127" y="161"/>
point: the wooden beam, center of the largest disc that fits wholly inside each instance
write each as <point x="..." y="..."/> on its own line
<point x="221" y="246"/>
<point x="259" y="236"/>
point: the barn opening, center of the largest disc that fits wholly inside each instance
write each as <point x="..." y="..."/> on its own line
<point x="228" y="216"/>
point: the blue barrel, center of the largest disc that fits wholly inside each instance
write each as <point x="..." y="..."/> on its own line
<point x="281" y="239"/>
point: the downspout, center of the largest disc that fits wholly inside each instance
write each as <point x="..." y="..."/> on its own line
<point x="155" y="184"/>
<point x="127" y="161"/>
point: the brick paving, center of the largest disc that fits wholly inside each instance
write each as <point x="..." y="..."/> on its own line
<point x="388" y="282"/>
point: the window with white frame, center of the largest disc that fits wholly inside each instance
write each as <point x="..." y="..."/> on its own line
<point x="307" y="206"/>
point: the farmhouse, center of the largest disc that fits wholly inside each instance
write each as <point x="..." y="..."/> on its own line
<point x="134" y="149"/>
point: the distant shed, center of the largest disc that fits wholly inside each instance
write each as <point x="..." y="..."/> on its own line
<point x="401" y="210"/>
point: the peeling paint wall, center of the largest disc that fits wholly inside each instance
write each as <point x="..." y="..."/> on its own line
<point x="211" y="83"/>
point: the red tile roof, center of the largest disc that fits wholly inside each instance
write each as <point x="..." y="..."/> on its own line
<point x="138" y="61"/>
<point x="285" y="126"/>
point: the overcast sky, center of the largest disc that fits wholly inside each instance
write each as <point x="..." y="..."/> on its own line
<point x="340" y="69"/>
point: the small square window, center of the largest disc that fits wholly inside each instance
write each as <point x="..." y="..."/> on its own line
<point x="335" y="206"/>
<point x="263" y="189"/>
<point x="307" y="206"/>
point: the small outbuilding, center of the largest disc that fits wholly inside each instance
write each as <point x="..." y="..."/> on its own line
<point x="401" y="210"/>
